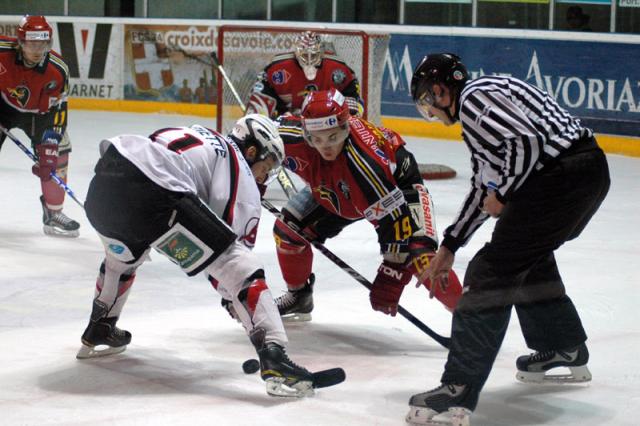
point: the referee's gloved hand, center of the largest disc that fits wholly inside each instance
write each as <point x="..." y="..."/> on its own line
<point x="388" y="286"/>
<point x="47" y="154"/>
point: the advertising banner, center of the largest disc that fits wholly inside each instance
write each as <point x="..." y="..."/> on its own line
<point x="578" y="74"/>
<point x="92" y="53"/>
<point x="169" y="63"/>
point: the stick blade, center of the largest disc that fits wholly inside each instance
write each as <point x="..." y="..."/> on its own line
<point x="330" y="377"/>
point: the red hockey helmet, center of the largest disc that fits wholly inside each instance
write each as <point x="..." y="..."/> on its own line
<point x="34" y="28"/>
<point x="34" y="39"/>
<point x="325" y="110"/>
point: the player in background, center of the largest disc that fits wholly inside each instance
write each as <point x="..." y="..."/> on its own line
<point x="191" y="194"/>
<point x="354" y="170"/>
<point x="540" y="172"/>
<point x="286" y="81"/>
<point x="34" y="81"/>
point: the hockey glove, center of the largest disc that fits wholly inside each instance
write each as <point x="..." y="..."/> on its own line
<point x="387" y="287"/>
<point x="47" y="153"/>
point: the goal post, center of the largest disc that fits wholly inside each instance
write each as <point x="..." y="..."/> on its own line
<point x="244" y="51"/>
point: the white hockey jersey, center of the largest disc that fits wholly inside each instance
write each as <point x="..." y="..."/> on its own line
<point x="201" y="161"/>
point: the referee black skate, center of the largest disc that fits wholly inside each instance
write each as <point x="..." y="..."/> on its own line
<point x="541" y="173"/>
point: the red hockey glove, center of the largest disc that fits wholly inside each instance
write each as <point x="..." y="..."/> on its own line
<point x="47" y="153"/>
<point x="387" y="287"/>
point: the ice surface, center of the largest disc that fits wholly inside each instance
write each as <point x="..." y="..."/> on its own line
<point x="184" y="363"/>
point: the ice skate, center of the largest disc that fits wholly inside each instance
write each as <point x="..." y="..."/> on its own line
<point x="57" y="223"/>
<point x="534" y="368"/>
<point x="295" y="306"/>
<point x="445" y="405"/>
<point x="282" y="376"/>
<point x="102" y="338"/>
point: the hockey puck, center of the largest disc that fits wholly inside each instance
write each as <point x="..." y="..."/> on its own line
<point x="250" y="366"/>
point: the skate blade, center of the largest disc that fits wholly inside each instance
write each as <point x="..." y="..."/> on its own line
<point x="57" y="232"/>
<point x="296" y="317"/>
<point x="87" y="352"/>
<point x="422" y="416"/>
<point x="277" y="387"/>
<point x="578" y="375"/>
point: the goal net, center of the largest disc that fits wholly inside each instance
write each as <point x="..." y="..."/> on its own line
<point x="244" y="51"/>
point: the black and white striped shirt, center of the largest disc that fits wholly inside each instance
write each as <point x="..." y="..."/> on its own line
<point x="511" y="128"/>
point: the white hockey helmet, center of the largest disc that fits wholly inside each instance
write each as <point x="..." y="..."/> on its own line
<point x="259" y="131"/>
<point x="309" y="53"/>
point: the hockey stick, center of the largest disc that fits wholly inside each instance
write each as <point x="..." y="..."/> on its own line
<point x="55" y="177"/>
<point x="283" y="177"/>
<point x="444" y="341"/>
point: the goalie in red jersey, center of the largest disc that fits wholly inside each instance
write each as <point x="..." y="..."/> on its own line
<point x="354" y="170"/>
<point x="286" y="81"/>
<point x="34" y="82"/>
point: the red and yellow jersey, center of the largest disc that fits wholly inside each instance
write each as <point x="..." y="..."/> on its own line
<point x="360" y="182"/>
<point x="282" y="86"/>
<point x="38" y="90"/>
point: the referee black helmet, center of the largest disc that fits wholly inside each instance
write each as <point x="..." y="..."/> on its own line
<point x="445" y="68"/>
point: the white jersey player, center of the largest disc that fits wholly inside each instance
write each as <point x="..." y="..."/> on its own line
<point x="191" y="194"/>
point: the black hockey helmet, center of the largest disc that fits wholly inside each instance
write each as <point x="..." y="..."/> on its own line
<point x="444" y="68"/>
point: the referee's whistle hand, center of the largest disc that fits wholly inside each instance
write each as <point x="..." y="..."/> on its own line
<point x="491" y="205"/>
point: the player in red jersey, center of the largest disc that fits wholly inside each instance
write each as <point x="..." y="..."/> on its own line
<point x="354" y="170"/>
<point x="286" y="81"/>
<point x="34" y="82"/>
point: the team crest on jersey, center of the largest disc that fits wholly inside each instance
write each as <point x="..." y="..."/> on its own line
<point x="344" y="188"/>
<point x="338" y="76"/>
<point x="51" y="85"/>
<point x="307" y="89"/>
<point x="250" y="232"/>
<point x="280" y="77"/>
<point x="328" y="195"/>
<point x="20" y="94"/>
<point x="295" y="164"/>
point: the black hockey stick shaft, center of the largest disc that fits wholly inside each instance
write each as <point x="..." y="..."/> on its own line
<point x="54" y="176"/>
<point x="444" y="341"/>
<point x="283" y="177"/>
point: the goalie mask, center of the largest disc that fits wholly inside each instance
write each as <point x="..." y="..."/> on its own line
<point x="309" y="53"/>
<point x="34" y="38"/>
<point x="439" y="68"/>
<point x="325" y="110"/>
<point x="260" y="132"/>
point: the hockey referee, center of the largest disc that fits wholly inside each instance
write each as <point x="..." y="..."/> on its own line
<point x="542" y="174"/>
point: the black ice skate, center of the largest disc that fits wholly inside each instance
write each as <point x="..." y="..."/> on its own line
<point x="103" y="332"/>
<point x="283" y="376"/>
<point x="448" y="404"/>
<point x="57" y="223"/>
<point x="297" y="305"/>
<point x="533" y="368"/>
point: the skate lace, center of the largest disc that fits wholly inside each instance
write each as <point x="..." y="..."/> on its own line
<point x="287" y="300"/>
<point x="541" y="356"/>
<point x="60" y="218"/>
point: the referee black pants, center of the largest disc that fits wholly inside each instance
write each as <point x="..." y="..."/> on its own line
<point x="518" y="268"/>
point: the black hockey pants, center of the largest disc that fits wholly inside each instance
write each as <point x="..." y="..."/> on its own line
<point x="518" y="268"/>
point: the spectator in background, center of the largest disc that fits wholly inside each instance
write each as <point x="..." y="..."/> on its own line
<point x="185" y="93"/>
<point x="577" y="20"/>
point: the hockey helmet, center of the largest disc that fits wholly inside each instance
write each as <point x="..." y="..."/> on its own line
<point x="309" y="53"/>
<point x="36" y="33"/>
<point x="438" y="68"/>
<point x="259" y="131"/>
<point x="323" y="110"/>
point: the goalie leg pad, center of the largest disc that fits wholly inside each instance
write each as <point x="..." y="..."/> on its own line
<point x="196" y="236"/>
